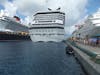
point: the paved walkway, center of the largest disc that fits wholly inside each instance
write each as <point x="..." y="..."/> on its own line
<point x="88" y="47"/>
<point x="91" y="67"/>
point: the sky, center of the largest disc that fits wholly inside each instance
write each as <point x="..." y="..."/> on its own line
<point x="75" y="10"/>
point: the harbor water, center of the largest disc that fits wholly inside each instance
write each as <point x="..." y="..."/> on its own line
<point x="28" y="58"/>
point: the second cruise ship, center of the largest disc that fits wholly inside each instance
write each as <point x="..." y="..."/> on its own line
<point x="90" y="28"/>
<point x="48" y="26"/>
<point x="12" y="29"/>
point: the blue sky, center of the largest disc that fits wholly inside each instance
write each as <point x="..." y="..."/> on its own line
<point x="93" y="6"/>
<point x="1" y="7"/>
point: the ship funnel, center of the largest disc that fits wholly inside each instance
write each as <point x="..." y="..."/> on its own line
<point x="17" y="18"/>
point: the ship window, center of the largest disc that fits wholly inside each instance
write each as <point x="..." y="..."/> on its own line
<point x="39" y="30"/>
<point x="36" y="30"/>
<point x="93" y="24"/>
<point x="48" y="30"/>
<point x="42" y="30"/>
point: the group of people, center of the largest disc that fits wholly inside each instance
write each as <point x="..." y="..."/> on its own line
<point x="90" y="41"/>
<point x="94" y="41"/>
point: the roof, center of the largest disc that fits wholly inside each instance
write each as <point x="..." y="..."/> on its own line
<point x="49" y="12"/>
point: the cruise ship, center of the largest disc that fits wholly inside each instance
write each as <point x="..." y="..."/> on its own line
<point x="47" y="26"/>
<point x="12" y="29"/>
<point x="12" y="24"/>
<point x="90" y="28"/>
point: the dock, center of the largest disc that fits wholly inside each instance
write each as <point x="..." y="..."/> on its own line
<point x="4" y="36"/>
<point x="88" y="56"/>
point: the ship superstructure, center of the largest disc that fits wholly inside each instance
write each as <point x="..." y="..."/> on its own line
<point x="12" y="23"/>
<point x="48" y="26"/>
<point x="90" y="28"/>
<point x="12" y="29"/>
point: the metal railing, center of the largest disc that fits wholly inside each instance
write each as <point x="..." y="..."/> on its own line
<point x="95" y="56"/>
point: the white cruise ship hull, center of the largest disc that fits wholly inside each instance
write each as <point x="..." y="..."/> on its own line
<point x="45" y="38"/>
<point x="90" y="28"/>
<point x="7" y="23"/>
<point x="3" y="24"/>
<point x="94" y="32"/>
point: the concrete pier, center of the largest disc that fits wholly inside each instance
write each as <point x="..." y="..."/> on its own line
<point x="88" y="56"/>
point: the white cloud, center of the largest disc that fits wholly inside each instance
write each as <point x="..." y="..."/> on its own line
<point x="28" y="7"/>
<point x="10" y="8"/>
<point x="70" y="29"/>
<point x="98" y="10"/>
<point x="74" y="9"/>
<point x="3" y="13"/>
<point x="81" y="21"/>
<point x="2" y="1"/>
<point x="27" y="20"/>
